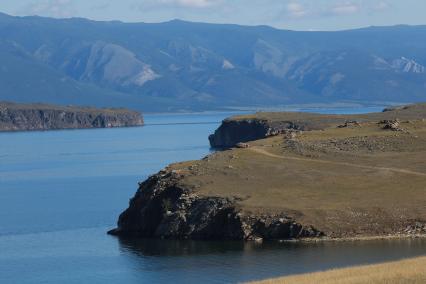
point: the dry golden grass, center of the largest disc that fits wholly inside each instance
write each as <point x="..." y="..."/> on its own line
<point x="346" y="182"/>
<point x="409" y="112"/>
<point x="405" y="271"/>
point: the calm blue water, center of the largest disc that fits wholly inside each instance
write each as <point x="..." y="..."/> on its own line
<point x="61" y="191"/>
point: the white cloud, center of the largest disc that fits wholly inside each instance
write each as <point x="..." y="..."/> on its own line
<point x="190" y="3"/>
<point x="381" y="6"/>
<point x="177" y="7"/>
<point x="296" y="9"/>
<point x="345" y="8"/>
<point x="101" y="6"/>
<point x="51" y="8"/>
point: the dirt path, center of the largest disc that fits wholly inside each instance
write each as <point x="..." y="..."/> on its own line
<point x="402" y="171"/>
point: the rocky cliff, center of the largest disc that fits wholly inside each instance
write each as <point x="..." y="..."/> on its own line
<point x="18" y="117"/>
<point x="164" y="208"/>
<point x="262" y="125"/>
<point x="236" y="130"/>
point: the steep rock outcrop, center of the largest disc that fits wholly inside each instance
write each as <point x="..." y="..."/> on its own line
<point x="19" y="117"/>
<point x="164" y="208"/>
<point x="263" y="124"/>
<point x="234" y="131"/>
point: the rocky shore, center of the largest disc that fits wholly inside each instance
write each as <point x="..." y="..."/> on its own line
<point x="163" y="208"/>
<point x="331" y="177"/>
<point x="22" y="117"/>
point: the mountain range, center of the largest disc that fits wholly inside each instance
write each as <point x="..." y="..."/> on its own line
<point x="180" y="65"/>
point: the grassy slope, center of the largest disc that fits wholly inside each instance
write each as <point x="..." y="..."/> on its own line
<point x="414" y="111"/>
<point x="361" y="181"/>
<point x="405" y="271"/>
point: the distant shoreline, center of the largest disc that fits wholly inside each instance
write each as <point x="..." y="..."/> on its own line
<point x="282" y="108"/>
<point x="33" y="117"/>
<point x="357" y="239"/>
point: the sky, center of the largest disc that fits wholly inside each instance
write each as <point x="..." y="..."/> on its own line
<point x="285" y="14"/>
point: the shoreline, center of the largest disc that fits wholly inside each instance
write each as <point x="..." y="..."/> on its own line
<point x="356" y="239"/>
<point x="68" y="129"/>
<point x="32" y="117"/>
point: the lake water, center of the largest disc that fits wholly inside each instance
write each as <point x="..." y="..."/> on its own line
<point x="60" y="191"/>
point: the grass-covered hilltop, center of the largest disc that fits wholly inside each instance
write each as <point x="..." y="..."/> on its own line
<point x="306" y="176"/>
<point x="20" y="117"/>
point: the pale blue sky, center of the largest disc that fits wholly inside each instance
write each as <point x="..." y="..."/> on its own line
<point x="288" y="14"/>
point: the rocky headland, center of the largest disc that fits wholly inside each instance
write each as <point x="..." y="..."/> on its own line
<point x="293" y="176"/>
<point x="23" y="117"/>
<point x="261" y="125"/>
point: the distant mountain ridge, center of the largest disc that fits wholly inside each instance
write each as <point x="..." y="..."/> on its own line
<point x="195" y="66"/>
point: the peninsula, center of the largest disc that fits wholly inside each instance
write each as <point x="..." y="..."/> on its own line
<point x="293" y="176"/>
<point x="23" y="117"/>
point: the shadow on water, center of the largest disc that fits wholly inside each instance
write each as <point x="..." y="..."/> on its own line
<point x="231" y="262"/>
<point x="155" y="247"/>
<point x="152" y="247"/>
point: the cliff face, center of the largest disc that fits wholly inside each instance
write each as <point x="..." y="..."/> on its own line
<point x="233" y="131"/>
<point x="18" y="117"/>
<point x="262" y="125"/>
<point x="163" y="208"/>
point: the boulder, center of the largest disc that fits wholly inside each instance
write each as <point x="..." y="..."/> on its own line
<point x="393" y="125"/>
<point x="242" y="145"/>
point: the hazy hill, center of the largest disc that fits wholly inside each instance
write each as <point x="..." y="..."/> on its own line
<point x="182" y="65"/>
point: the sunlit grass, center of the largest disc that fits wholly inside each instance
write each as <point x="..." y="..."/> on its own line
<point x="405" y="271"/>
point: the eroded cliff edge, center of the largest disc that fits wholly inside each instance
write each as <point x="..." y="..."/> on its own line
<point x="359" y="178"/>
<point x="261" y="125"/>
<point x="20" y="117"/>
<point x="165" y="208"/>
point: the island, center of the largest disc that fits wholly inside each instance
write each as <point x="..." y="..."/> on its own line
<point x="24" y="117"/>
<point x="284" y="176"/>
